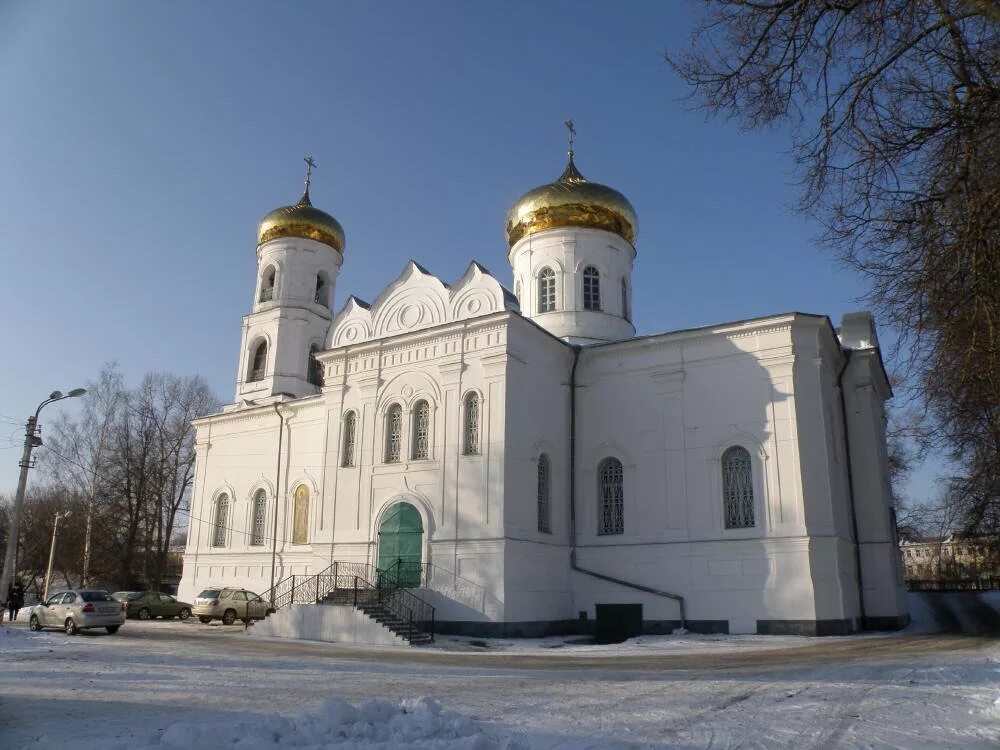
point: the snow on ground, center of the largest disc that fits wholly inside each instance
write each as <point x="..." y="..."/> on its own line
<point x="168" y="685"/>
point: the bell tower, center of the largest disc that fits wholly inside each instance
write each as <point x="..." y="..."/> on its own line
<point x="299" y="253"/>
<point x="572" y="250"/>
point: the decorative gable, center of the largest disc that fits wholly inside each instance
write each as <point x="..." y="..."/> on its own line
<point x="417" y="299"/>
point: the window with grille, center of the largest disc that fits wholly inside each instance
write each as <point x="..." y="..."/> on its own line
<point x="221" y="519"/>
<point x="393" y="433"/>
<point x="259" y="514"/>
<point x="547" y="290"/>
<point x="737" y="488"/>
<point x="350" y="429"/>
<point x="315" y="367"/>
<point x="626" y="312"/>
<point x="258" y="363"/>
<point x="610" y="477"/>
<point x="591" y="289"/>
<point x="544" y="513"/>
<point x="471" y="431"/>
<point x="421" y="429"/>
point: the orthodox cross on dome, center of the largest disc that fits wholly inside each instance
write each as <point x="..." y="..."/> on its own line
<point x="310" y="164"/>
<point x="571" y="135"/>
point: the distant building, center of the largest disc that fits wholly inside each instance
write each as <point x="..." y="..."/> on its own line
<point x="949" y="558"/>
<point x="531" y="456"/>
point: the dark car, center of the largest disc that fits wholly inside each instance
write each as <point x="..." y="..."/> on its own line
<point x="145" y="605"/>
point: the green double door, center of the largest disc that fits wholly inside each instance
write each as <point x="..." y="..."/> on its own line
<point x="400" y="545"/>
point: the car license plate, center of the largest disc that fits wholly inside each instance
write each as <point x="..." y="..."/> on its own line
<point x="108" y="610"/>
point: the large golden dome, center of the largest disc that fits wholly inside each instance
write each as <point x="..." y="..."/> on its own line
<point x="571" y="201"/>
<point x="301" y="220"/>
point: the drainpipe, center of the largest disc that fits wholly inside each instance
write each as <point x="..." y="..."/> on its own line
<point x="277" y="489"/>
<point x="572" y="504"/>
<point x="850" y="491"/>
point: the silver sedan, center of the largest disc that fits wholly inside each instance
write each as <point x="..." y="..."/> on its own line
<point x="76" y="610"/>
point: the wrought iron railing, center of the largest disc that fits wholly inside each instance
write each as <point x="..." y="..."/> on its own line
<point x="365" y="587"/>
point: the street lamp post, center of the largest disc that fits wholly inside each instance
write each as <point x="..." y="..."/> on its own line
<point x="52" y="551"/>
<point x="31" y="441"/>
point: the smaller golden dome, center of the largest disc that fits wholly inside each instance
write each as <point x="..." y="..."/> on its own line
<point x="572" y="201"/>
<point x="301" y="220"/>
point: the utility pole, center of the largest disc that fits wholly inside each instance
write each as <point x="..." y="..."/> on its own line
<point x="52" y="552"/>
<point x="31" y="441"/>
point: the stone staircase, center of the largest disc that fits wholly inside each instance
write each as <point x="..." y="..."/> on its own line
<point x="387" y="603"/>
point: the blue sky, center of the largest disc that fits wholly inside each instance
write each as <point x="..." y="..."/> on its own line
<point x="141" y="143"/>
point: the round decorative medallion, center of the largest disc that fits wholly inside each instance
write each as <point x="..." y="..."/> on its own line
<point x="409" y="315"/>
<point x="350" y="334"/>
<point x="407" y="391"/>
<point x="474" y="306"/>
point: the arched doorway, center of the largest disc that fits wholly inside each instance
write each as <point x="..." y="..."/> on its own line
<point x="400" y="544"/>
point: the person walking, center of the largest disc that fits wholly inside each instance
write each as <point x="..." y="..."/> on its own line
<point x="16" y="600"/>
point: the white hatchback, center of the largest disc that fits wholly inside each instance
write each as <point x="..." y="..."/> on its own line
<point x="76" y="610"/>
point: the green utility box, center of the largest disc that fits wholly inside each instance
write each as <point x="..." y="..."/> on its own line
<point x="618" y="622"/>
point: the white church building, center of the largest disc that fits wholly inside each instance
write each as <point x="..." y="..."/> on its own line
<point x="528" y="458"/>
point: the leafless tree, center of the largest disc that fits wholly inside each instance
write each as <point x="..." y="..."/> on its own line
<point x="130" y="457"/>
<point x="894" y="107"/>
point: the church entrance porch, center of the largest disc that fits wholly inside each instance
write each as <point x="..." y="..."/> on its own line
<point x="400" y="545"/>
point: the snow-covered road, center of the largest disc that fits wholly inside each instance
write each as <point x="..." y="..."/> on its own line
<point x="127" y="690"/>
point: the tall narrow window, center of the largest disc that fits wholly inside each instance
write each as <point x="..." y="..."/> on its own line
<point x="315" y="367"/>
<point x="393" y="433"/>
<point x="610" y="477"/>
<point x="259" y="515"/>
<point x="626" y="312"/>
<point x="221" y="519"/>
<point x="258" y="362"/>
<point x="421" y="430"/>
<point x="470" y="432"/>
<point x="737" y="488"/>
<point x="547" y="290"/>
<point x="517" y="291"/>
<point x="320" y="296"/>
<point x="544" y="479"/>
<point x="267" y="285"/>
<point x="300" y="515"/>
<point x="591" y="289"/>
<point x="350" y="430"/>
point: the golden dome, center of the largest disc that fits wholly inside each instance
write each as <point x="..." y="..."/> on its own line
<point x="571" y="201"/>
<point x="301" y="220"/>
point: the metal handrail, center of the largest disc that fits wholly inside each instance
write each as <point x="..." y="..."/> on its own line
<point x="371" y="587"/>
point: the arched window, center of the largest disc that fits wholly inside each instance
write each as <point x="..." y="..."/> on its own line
<point x="315" y="368"/>
<point x="267" y="284"/>
<point x="300" y="515"/>
<point x="544" y="480"/>
<point x="737" y="488"/>
<point x="470" y="431"/>
<point x="591" y="288"/>
<point x="517" y="291"/>
<point x="626" y="312"/>
<point x="320" y="296"/>
<point x="258" y="519"/>
<point x="221" y="519"/>
<point x="350" y="431"/>
<point x="421" y="429"/>
<point x="546" y="290"/>
<point x="610" y="477"/>
<point x="258" y="363"/>
<point x="393" y="433"/>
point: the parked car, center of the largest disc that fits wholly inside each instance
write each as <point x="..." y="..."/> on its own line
<point x="229" y="605"/>
<point x="145" y="605"/>
<point x="78" y="609"/>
